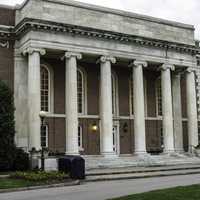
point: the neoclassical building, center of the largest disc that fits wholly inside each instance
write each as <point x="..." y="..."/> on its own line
<point x="112" y="82"/>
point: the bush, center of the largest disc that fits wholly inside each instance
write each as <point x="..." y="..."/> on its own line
<point x="21" y="161"/>
<point x="39" y="176"/>
<point x="7" y="128"/>
<point x="11" y="158"/>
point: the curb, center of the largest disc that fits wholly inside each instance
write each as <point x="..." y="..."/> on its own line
<point x="142" y="171"/>
<point x="140" y="177"/>
<point x="72" y="183"/>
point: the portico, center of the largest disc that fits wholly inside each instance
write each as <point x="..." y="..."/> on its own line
<point x="172" y="137"/>
<point x="106" y="92"/>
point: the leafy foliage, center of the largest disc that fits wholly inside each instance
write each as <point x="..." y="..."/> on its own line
<point x="39" y="175"/>
<point x="11" y="158"/>
<point x="7" y="127"/>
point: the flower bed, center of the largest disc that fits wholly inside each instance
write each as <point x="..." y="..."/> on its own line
<point x="40" y="176"/>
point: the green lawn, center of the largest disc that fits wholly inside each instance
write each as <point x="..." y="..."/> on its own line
<point x="32" y="178"/>
<point x="7" y="183"/>
<point x="178" y="193"/>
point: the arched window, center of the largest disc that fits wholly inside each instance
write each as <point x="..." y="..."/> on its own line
<point x="131" y="95"/>
<point x="114" y="94"/>
<point x="81" y="91"/>
<point x="45" y="88"/>
<point x="158" y="97"/>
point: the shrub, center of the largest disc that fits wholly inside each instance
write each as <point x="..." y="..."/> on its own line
<point x="21" y="161"/>
<point x="11" y="158"/>
<point x="7" y="127"/>
<point x="39" y="176"/>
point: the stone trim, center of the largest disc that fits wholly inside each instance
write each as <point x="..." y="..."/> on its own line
<point x="104" y="59"/>
<point x="190" y="69"/>
<point x="29" y="24"/>
<point x="137" y="63"/>
<point x="167" y="66"/>
<point x="68" y="55"/>
<point x="4" y="44"/>
<point x="31" y="50"/>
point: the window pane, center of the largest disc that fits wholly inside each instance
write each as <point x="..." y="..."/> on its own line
<point x="44" y="89"/>
<point x="80" y="91"/>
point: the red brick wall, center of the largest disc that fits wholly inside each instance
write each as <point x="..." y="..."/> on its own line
<point x="91" y="140"/>
<point x="7" y="17"/>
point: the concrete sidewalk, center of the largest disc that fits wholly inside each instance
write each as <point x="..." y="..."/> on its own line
<point x="104" y="190"/>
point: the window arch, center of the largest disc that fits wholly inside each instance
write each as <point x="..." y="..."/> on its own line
<point x="158" y="97"/>
<point x="81" y="91"/>
<point x="46" y="88"/>
<point x="114" y="94"/>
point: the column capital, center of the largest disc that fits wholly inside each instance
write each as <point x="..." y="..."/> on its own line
<point x="190" y="69"/>
<point x="104" y="59"/>
<point x="137" y="63"/>
<point x="70" y="54"/>
<point x="31" y="50"/>
<point x="166" y="66"/>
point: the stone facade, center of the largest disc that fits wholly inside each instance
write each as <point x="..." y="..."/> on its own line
<point x="140" y="78"/>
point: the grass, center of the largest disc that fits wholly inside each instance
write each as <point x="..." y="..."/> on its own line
<point x="8" y="183"/>
<point x="178" y="193"/>
<point x="32" y="178"/>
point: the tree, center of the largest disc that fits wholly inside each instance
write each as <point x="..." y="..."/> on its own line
<point x="7" y="128"/>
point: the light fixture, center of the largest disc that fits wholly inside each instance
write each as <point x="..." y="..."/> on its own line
<point x="42" y="114"/>
<point x="94" y="127"/>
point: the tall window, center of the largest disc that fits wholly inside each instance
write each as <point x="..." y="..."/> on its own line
<point x="45" y="88"/>
<point x="114" y="94"/>
<point x="81" y="91"/>
<point x="44" y="136"/>
<point x="158" y="97"/>
<point x="80" y="137"/>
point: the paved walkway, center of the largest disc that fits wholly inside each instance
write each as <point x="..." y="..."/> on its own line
<point x="103" y="190"/>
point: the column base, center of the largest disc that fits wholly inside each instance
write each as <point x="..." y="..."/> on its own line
<point x="168" y="152"/>
<point x="109" y="154"/>
<point x="72" y="153"/>
<point x="140" y="153"/>
<point x="181" y="151"/>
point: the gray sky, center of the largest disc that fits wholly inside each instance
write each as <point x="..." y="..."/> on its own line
<point x="186" y="11"/>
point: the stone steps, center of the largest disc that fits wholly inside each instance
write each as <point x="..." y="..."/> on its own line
<point x="93" y="163"/>
<point x="136" y="173"/>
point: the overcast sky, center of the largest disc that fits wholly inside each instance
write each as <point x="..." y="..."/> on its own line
<point x="186" y="11"/>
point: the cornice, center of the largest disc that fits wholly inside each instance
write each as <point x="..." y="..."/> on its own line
<point x="28" y="24"/>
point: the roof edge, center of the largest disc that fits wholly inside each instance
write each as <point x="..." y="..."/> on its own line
<point x="114" y="11"/>
<point x="121" y="12"/>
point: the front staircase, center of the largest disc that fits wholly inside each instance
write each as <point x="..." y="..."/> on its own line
<point x="131" y="167"/>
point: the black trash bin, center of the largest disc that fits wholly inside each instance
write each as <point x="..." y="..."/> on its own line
<point x="64" y="165"/>
<point x="74" y="165"/>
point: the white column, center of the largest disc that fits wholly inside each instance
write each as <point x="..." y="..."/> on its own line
<point x="71" y="109"/>
<point x="178" y="127"/>
<point x="106" y="105"/>
<point x="21" y="100"/>
<point x="168" y="132"/>
<point x="34" y="96"/>
<point x="139" y="113"/>
<point x="191" y="109"/>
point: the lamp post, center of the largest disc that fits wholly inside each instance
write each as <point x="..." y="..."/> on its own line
<point x="42" y="115"/>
